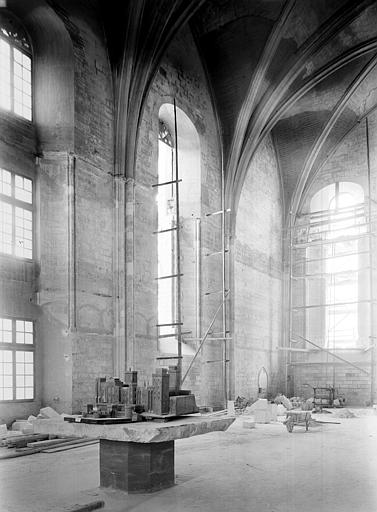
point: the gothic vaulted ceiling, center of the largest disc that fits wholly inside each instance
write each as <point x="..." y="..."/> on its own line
<point x="303" y="70"/>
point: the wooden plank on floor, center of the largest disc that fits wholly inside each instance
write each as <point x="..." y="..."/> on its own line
<point x="71" y="447"/>
<point x="51" y="442"/>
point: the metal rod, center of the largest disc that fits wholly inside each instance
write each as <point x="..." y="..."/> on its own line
<point x="331" y="304"/>
<point x="223" y="276"/>
<point x="343" y="255"/>
<point x="325" y="222"/>
<point x="165" y="230"/>
<point x="331" y="230"/>
<point x="169" y="357"/>
<point x="217" y="252"/>
<point x="165" y="183"/>
<point x="290" y="313"/>
<point x="332" y="211"/>
<point x="168" y="277"/>
<point x="331" y="353"/>
<point x="217" y="361"/>
<point x="72" y="285"/>
<point x="213" y="292"/>
<point x="219" y="212"/>
<point x="213" y="339"/>
<point x="290" y="349"/>
<point x="204" y="337"/>
<point x="330" y="274"/>
<point x="340" y="239"/>
<point x="371" y="290"/>
<point x="197" y="276"/>
<point x="169" y="325"/>
<point x="178" y="252"/>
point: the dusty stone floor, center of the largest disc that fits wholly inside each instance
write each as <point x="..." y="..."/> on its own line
<point x="331" y="468"/>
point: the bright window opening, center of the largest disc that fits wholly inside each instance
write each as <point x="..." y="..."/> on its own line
<point x="16" y="215"/>
<point x="15" y="68"/>
<point x="16" y="359"/>
<point x="167" y="240"/>
<point x="338" y="221"/>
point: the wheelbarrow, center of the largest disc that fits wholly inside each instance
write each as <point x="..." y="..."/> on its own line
<point x="297" y="417"/>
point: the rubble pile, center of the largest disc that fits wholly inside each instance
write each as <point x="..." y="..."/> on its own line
<point x="241" y="403"/>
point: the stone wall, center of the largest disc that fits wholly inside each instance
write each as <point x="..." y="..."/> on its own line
<point x="258" y="275"/>
<point x="68" y="152"/>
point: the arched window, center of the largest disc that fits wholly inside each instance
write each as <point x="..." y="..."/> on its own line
<point x="337" y="225"/>
<point x="166" y="210"/>
<point x="177" y="264"/>
<point x="15" y="68"/>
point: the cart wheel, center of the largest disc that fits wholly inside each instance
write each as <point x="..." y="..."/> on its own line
<point x="289" y="426"/>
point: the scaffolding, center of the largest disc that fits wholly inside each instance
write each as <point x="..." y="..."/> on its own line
<point x="331" y="253"/>
<point x="223" y="291"/>
<point x="176" y="324"/>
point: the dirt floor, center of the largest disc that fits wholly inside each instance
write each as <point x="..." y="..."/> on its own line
<point x="330" y="468"/>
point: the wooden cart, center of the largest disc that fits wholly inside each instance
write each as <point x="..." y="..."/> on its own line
<point x="297" y="417"/>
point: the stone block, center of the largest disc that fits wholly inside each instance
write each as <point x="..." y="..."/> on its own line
<point x="49" y="412"/>
<point x="182" y="404"/>
<point x="136" y="467"/>
<point x="248" y="424"/>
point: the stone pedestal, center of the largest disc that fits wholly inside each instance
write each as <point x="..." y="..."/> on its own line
<point x="136" y="457"/>
<point x="136" y="467"/>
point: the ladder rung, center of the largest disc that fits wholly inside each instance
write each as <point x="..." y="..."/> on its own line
<point x="217" y="291"/>
<point x="218" y="361"/>
<point x="165" y="183"/>
<point x="219" y="212"/>
<point x="165" y="230"/>
<point x="217" y="252"/>
<point x="170" y="357"/>
<point x="209" y="338"/>
<point x="169" y="277"/>
<point x="168" y="325"/>
<point x="173" y="334"/>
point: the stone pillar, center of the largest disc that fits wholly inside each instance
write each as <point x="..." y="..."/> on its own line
<point x="56" y="281"/>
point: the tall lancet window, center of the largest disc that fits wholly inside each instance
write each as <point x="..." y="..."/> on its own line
<point x="15" y="67"/>
<point x="167" y="222"/>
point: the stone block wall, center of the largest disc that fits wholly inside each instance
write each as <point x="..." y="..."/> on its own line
<point x="258" y="275"/>
<point x="68" y="152"/>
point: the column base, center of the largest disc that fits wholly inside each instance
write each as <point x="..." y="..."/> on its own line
<point x="136" y="467"/>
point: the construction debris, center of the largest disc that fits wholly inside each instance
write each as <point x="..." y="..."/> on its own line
<point x="241" y="403"/>
<point x="48" y="413"/>
<point x="262" y="410"/>
<point x="282" y="399"/>
<point x="23" y="426"/>
<point x="280" y="410"/>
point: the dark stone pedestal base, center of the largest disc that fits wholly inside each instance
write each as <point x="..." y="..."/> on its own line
<point x="136" y="467"/>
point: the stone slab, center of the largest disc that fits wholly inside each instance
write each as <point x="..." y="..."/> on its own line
<point x="143" y="432"/>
